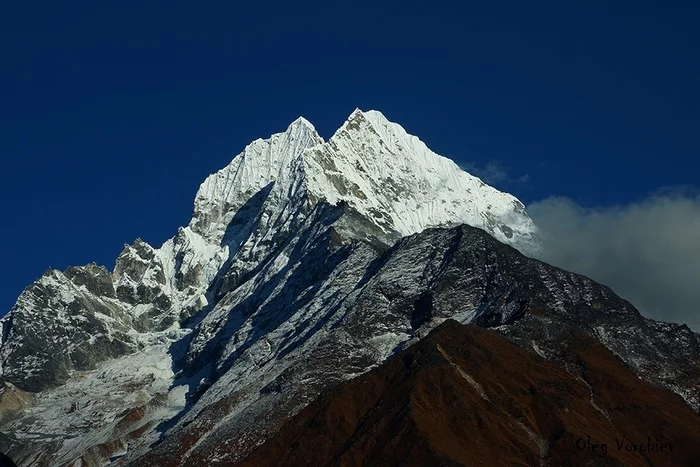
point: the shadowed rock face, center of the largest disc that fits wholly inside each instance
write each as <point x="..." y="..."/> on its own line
<point x="96" y="279"/>
<point x="5" y="461"/>
<point x="58" y="325"/>
<point x="468" y="396"/>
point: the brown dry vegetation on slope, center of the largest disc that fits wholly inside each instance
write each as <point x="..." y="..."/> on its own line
<point x="468" y="396"/>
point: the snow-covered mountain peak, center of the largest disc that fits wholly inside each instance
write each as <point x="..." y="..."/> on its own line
<point x="379" y="169"/>
<point x="302" y="122"/>
<point x="262" y="162"/>
<point x="391" y="134"/>
<point x="394" y="179"/>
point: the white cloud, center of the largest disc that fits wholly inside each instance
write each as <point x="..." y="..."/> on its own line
<point x="648" y="252"/>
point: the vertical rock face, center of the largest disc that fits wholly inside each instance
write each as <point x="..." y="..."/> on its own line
<point x="306" y="263"/>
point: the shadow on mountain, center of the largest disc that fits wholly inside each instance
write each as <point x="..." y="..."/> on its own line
<point x="309" y="262"/>
<point x="237" y="231"/>
<point x="5" y="461"/>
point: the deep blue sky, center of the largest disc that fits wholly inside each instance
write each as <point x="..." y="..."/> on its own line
<point x="111" y="116"/>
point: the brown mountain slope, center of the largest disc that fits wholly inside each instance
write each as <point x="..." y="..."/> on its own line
<point x="468" y="396"/>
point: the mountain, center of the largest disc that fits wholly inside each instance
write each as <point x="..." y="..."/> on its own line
<point x="306" y="264"/>
<point x="468" y="396"/>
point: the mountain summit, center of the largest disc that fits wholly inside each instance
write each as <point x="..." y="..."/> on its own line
<point x="306" y="263"/>
<point x="390" y="177"/>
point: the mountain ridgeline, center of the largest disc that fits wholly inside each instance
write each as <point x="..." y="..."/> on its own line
<point x="306" y="264"/>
